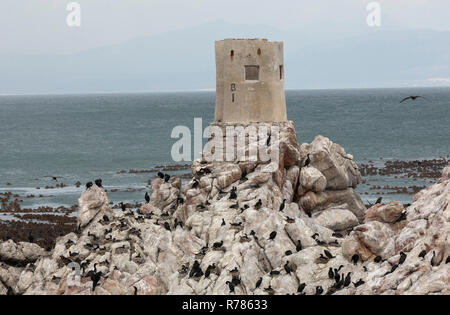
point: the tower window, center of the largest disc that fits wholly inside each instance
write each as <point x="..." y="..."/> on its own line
<point x="259" y="51"/>
<point x="232" y="97"/>
<point x="232" y="54"/>
<point x="281" y="72"/>
<point x="251" y="72"/>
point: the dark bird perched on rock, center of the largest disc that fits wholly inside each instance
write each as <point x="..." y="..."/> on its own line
<point x="288" y="252"/>
<point x="402" y="258"/>
<point x="269" y="290"/>
<point x="258" y="204"/>
<point x="328" y="254"/>
<point x="422" y="254"/>
<point x="160" y="175"/>
<point x="244" y="175"/>
<point x="308" y="160"/>
<point x="337" y="276"/>
<point x="201" y="206"/>
<point x="412" y="97"/>
<point x="298" y="247"/>
<point x="322" y="259"/>
<point x="319" y="290"/>
<point x="331" y="273"/>
<point x="177" y="223"/>
<point x="166" y="178"/>
<point x="272" y="235"/>
<point x="258" y="283"/>
<point x="359" y="283"/>
<point x="218" y="244"/>
<point x="195" y="184"/>
<point x="290" y="220"/>
<point x="274" y="273"/>
<point x="105" y="218"/>
<point x="393" y="268"/>
<point x="223" y="222"/>
<point x="283" y="205"/>
<point x="95" y="277"/>
<point x="236" y="280"/>
<point x="447" y="260"/>
<point x="347" y="280"/>
<point x="167" y="226"/>
<point x="204" y="171"/>
<point x="123" y="207"/>
<point x="402" y="217"/>
<point x="379" y="200"/>
<point x="98" y="182"/>
<point x="355" y="259"/>
<point x="208" y="270"/>
<point x="231" y="286"/>
<point x="196" y="271"/>
<point x="287" y="268"/>
<point x="147" y="197"/>
<point x="331" y="291"/>
<point x="320" y="242"/>
<point x="233" y="194"/>
<point x="135" y="290"/>
<point x="30" y="238"/>
<point x="301" y="287"/>
<point x="340" y="283"/>
<point x="89" y="185"/>
<point x="378" y="259"/>
<point x="268" y="139"/>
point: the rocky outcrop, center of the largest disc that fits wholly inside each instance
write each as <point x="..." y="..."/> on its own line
<point x="388" y="213"/>
<point x="245" y="227"/>
<point x="19" y="253"/>
<point x="92" y="205"/>
<point x="329" y="179"/>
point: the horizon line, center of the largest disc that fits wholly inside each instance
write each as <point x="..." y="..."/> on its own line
<point x="214" y="90"/>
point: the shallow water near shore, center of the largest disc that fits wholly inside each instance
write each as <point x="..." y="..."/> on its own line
<point x="84" y="137"/>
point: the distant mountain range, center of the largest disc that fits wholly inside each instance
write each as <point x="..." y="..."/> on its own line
<point x="184" y="60"/>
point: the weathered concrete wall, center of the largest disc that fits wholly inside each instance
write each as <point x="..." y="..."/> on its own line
<point x="241" y="100"/>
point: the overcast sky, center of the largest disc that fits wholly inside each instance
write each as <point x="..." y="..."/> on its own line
<point x="34" y="26"/>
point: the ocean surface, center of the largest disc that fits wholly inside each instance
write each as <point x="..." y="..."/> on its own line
<point x="84" y="137"/>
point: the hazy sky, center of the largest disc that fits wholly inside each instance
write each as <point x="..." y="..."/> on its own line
<point x="31" y="26"/>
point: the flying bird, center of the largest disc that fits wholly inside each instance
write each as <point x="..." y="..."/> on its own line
<point x="411" y="98"/>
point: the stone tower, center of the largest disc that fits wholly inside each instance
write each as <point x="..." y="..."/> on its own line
<point x="250" y="81"/>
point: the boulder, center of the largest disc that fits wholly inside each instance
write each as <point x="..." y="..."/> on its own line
<point x="332" y="161"/>
<point x="93" y="204"/>
<point x="312" y="202"/>
<point x="388" y="213"/>
<point x="336" y="219"/>
<point x="20" y="253"/>
<point x="312" y="179"/>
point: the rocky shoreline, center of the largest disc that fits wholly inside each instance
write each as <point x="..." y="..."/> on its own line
<point x="247" y="228"/>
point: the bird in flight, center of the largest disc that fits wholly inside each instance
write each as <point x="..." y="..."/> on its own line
<point x="411" y="98"/>
<point x="55" y="178"/>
